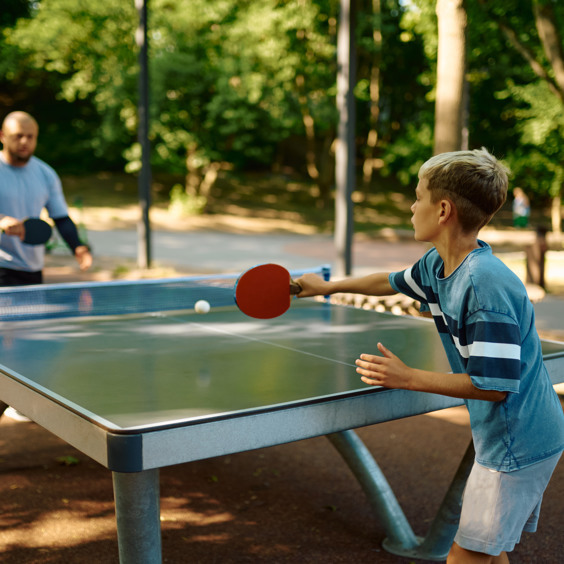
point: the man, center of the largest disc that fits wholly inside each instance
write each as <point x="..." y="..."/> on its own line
<point x="27" y="185"/>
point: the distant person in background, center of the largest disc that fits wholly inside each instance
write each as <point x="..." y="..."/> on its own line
<point x="27" y="185"/>
<point x="521" y="208"/>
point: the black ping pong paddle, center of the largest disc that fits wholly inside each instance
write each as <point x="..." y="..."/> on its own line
<point x="37" y="231"/>
<point x="265" y="291"/>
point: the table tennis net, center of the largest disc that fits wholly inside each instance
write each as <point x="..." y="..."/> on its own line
<point x="121" y="297"/>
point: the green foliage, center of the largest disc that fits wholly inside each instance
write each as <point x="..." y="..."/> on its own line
<point x="78" y="66"/>
<point x="183" y="204"/>
<point x="233" y="81"/>
<point x="406" y="155"/>
<point x="407" y="102"/>
<point x="524" y="116"/>
<point x="12" y="10"/>
<point x="224" y="75"/>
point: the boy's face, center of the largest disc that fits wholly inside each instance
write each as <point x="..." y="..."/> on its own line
<point x="426" y="215"/>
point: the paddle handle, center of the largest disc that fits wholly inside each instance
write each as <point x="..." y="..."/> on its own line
<point x="295" y="288"/>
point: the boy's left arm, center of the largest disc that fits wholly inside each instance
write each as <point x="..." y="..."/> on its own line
<point x="389" y="371"/>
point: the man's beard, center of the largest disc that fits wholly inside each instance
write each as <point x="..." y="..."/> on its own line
<point x="19" y="159"/>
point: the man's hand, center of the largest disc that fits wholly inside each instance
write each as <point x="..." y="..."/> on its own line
<point x="12" y="226"/>
<point x="83" y="257"/>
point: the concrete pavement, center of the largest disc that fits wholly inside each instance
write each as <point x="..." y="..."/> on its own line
<point x="220" y="252"/>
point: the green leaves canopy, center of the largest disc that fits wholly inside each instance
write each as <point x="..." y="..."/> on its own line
<point x="229" y="79"/>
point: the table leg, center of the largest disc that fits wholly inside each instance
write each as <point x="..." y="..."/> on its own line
<point x="400" y="538"/>
<point x="437" y="542"/>
<point x="137" y="500"/>
<point x="380" y="495"/>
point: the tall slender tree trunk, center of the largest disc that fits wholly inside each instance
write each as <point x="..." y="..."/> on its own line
<point x="309" y="127"/>
<point x="451" y="67"/>
<point x="372" y="140"/>
<point x="551" y="40"/>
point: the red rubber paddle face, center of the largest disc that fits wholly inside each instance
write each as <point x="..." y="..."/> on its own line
<point x="263" y="292"/>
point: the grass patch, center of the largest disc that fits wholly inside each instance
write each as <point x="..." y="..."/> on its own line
<point x="385" y="204"/>
<point x="254" y="195"/>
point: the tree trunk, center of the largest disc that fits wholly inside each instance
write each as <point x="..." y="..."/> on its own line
<point x="556" y="215"/>
<point x="551" y="40"/>
<point x="545" y="20"/>
<point x="326" y="169"/>
<point x="372" y="140"/>
<point x="451" y="66"/>
<point x="309" y="127"/>
<point x="556" y="208"/>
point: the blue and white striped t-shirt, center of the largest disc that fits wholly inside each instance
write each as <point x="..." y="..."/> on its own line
<point x="486" y="323"/>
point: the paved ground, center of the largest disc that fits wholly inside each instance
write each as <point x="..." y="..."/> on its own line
<point x="289" y="504"/>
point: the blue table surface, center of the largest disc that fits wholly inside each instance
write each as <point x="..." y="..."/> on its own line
<point x="161" y="366"/>
<point x="154" y="368"/>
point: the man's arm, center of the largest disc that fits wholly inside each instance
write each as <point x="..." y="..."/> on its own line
<point x="371" y="285"/>
<point x="69" y="232"/>
<point x="389" y="371"/>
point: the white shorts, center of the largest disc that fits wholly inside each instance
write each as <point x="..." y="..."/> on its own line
<point x="498" y="506"/>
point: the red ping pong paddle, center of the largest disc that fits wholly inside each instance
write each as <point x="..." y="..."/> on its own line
<point x="265" y="291"/>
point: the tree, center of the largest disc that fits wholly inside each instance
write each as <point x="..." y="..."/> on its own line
<point x="535" y="34"/>
<point x="85" y="54"/>
<point x="370" y="160"/>
<point x="393" y="92"/>
<point x="235" y="79"/>
<point x="451" y="68"/>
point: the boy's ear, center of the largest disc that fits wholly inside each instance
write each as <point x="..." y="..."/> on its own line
<point x="446" y="211"/>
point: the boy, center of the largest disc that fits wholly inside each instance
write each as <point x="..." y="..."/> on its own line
<point x="486" y="323"/>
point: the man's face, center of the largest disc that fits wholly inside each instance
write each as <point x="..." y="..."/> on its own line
<point x="19" y="139"/>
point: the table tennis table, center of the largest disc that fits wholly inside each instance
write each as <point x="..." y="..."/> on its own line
<point x="131" y="376"/>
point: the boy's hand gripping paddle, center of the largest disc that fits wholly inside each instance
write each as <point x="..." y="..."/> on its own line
<point x="265" y="291"/>
<point x="37" y="231"/>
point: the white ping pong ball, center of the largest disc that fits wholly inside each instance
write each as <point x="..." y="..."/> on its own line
<point x="202" y="306"/>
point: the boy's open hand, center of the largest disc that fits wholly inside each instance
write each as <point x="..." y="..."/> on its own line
<point x="386" y="370"/>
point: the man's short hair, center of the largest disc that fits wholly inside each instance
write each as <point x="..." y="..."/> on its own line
<point x="475" y="181"/>
<point x="19" y="117"/>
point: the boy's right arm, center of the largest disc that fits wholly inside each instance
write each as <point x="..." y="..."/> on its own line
<point x="372" y="285"/>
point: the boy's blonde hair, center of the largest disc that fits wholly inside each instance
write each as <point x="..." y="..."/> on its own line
<point x="474" y="181"/>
